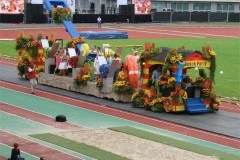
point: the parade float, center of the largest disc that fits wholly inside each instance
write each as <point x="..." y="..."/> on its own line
<point x="173" y="90"/>
<point x="158" y="81"/>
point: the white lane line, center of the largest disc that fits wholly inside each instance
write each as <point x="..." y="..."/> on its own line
<point x="21" y="150"/>
<point x="6" y="39"/>
<point x="128" y="113"/>
<point x="205" y="34"/>
<point x="83" y="127"/>
<point x="159" y="33"/>
<point x="41" y="144"/>
<point x="26" y="118"/>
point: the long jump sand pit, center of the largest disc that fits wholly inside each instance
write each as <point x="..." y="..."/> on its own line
<point x="131" y="147"/>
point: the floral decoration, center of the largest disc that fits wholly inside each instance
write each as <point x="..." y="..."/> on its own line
<point x="179" y="96"/>
<point x="172" y="58"/>
<point x="73" y="41"/>
<point x="21" y="41"/>
<point x="73" y="61"/>
<point x="215" y="103"/>
<point x="40" y="36"/>
<point x="122" y="84"/>
<point x="60" y="14"/>
<point x="83" y="77"/>
<point x="22" y="66"/>
<point x="166" y="81"/>
<point x="139" y="99"/>
<point x="99" y="81"/>
<point x="157" y="104"/>
<point x="51" y="39"/>
<point x="210" y="55"/>
<point x="149" y="51"/>
<point x="201" y="78"/>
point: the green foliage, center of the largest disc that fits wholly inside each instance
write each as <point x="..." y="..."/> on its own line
<point x="46" y="52"/>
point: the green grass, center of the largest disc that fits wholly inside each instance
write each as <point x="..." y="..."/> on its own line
<point x="227" y="49"/>
<point x="78" y="147"/>
<point x="175" y="143"/>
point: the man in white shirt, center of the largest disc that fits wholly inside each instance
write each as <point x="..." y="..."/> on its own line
<point x="99" y="21"/>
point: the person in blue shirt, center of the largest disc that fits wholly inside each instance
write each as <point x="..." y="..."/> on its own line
<point x="155" y="76"/>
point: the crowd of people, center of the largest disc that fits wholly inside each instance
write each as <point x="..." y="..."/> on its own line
<point x="99" y="57"/>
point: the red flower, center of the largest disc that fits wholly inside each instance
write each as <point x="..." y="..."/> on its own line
<point x="73" y="61"/>
<point x="147" y="46"/>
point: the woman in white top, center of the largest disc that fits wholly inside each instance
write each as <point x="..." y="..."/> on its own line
<point x="63" y="63"/>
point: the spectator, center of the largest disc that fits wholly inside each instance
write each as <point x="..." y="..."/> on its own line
<point x="15" y="152"/>
<point x="99" y="21"/>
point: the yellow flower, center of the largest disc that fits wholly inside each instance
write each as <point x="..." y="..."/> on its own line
<point x="185" y="95"/>
<point x="212" y="53"/>
<point x="179" y="57"/>
<point x="173" y="59"/>
<point x="133" y="96"/>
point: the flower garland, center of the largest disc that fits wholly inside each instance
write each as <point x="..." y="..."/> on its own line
<point x="122" y="84"/>
<point x="210" y="56"/>
<point x="60" y="14"/>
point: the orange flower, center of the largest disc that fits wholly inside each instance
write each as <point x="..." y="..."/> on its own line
<point x="85" y="70"/>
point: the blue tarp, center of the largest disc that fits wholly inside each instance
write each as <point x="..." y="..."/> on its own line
<point x="71" y="31"/>
<point x="104" y="35"/>
<point x="50" y="3"/>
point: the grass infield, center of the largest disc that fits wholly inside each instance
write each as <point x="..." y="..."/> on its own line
<point x="82" y="148"/>
<point x="175" y="143"/>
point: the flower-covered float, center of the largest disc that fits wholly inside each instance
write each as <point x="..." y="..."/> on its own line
<point x="30" y="50"/>
<point x="166" y="85"/>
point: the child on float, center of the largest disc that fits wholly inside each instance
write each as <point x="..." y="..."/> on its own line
<point x="57" y="56"/>
<point x="63" y="64"/>
<point x="98" y="61"/>
<point x="93" y="50"/>
<point x="69" y="67"/>
<point x="117" y="57"/>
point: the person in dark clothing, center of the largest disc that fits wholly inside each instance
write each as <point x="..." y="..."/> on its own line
<point x="15" y="152"/>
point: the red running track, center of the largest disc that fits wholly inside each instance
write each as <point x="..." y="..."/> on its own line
<point x="201" y="134"/>
<point x="50" y="121"/>
<point x="34" y="148"/>
<point x="134" y="32"/>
